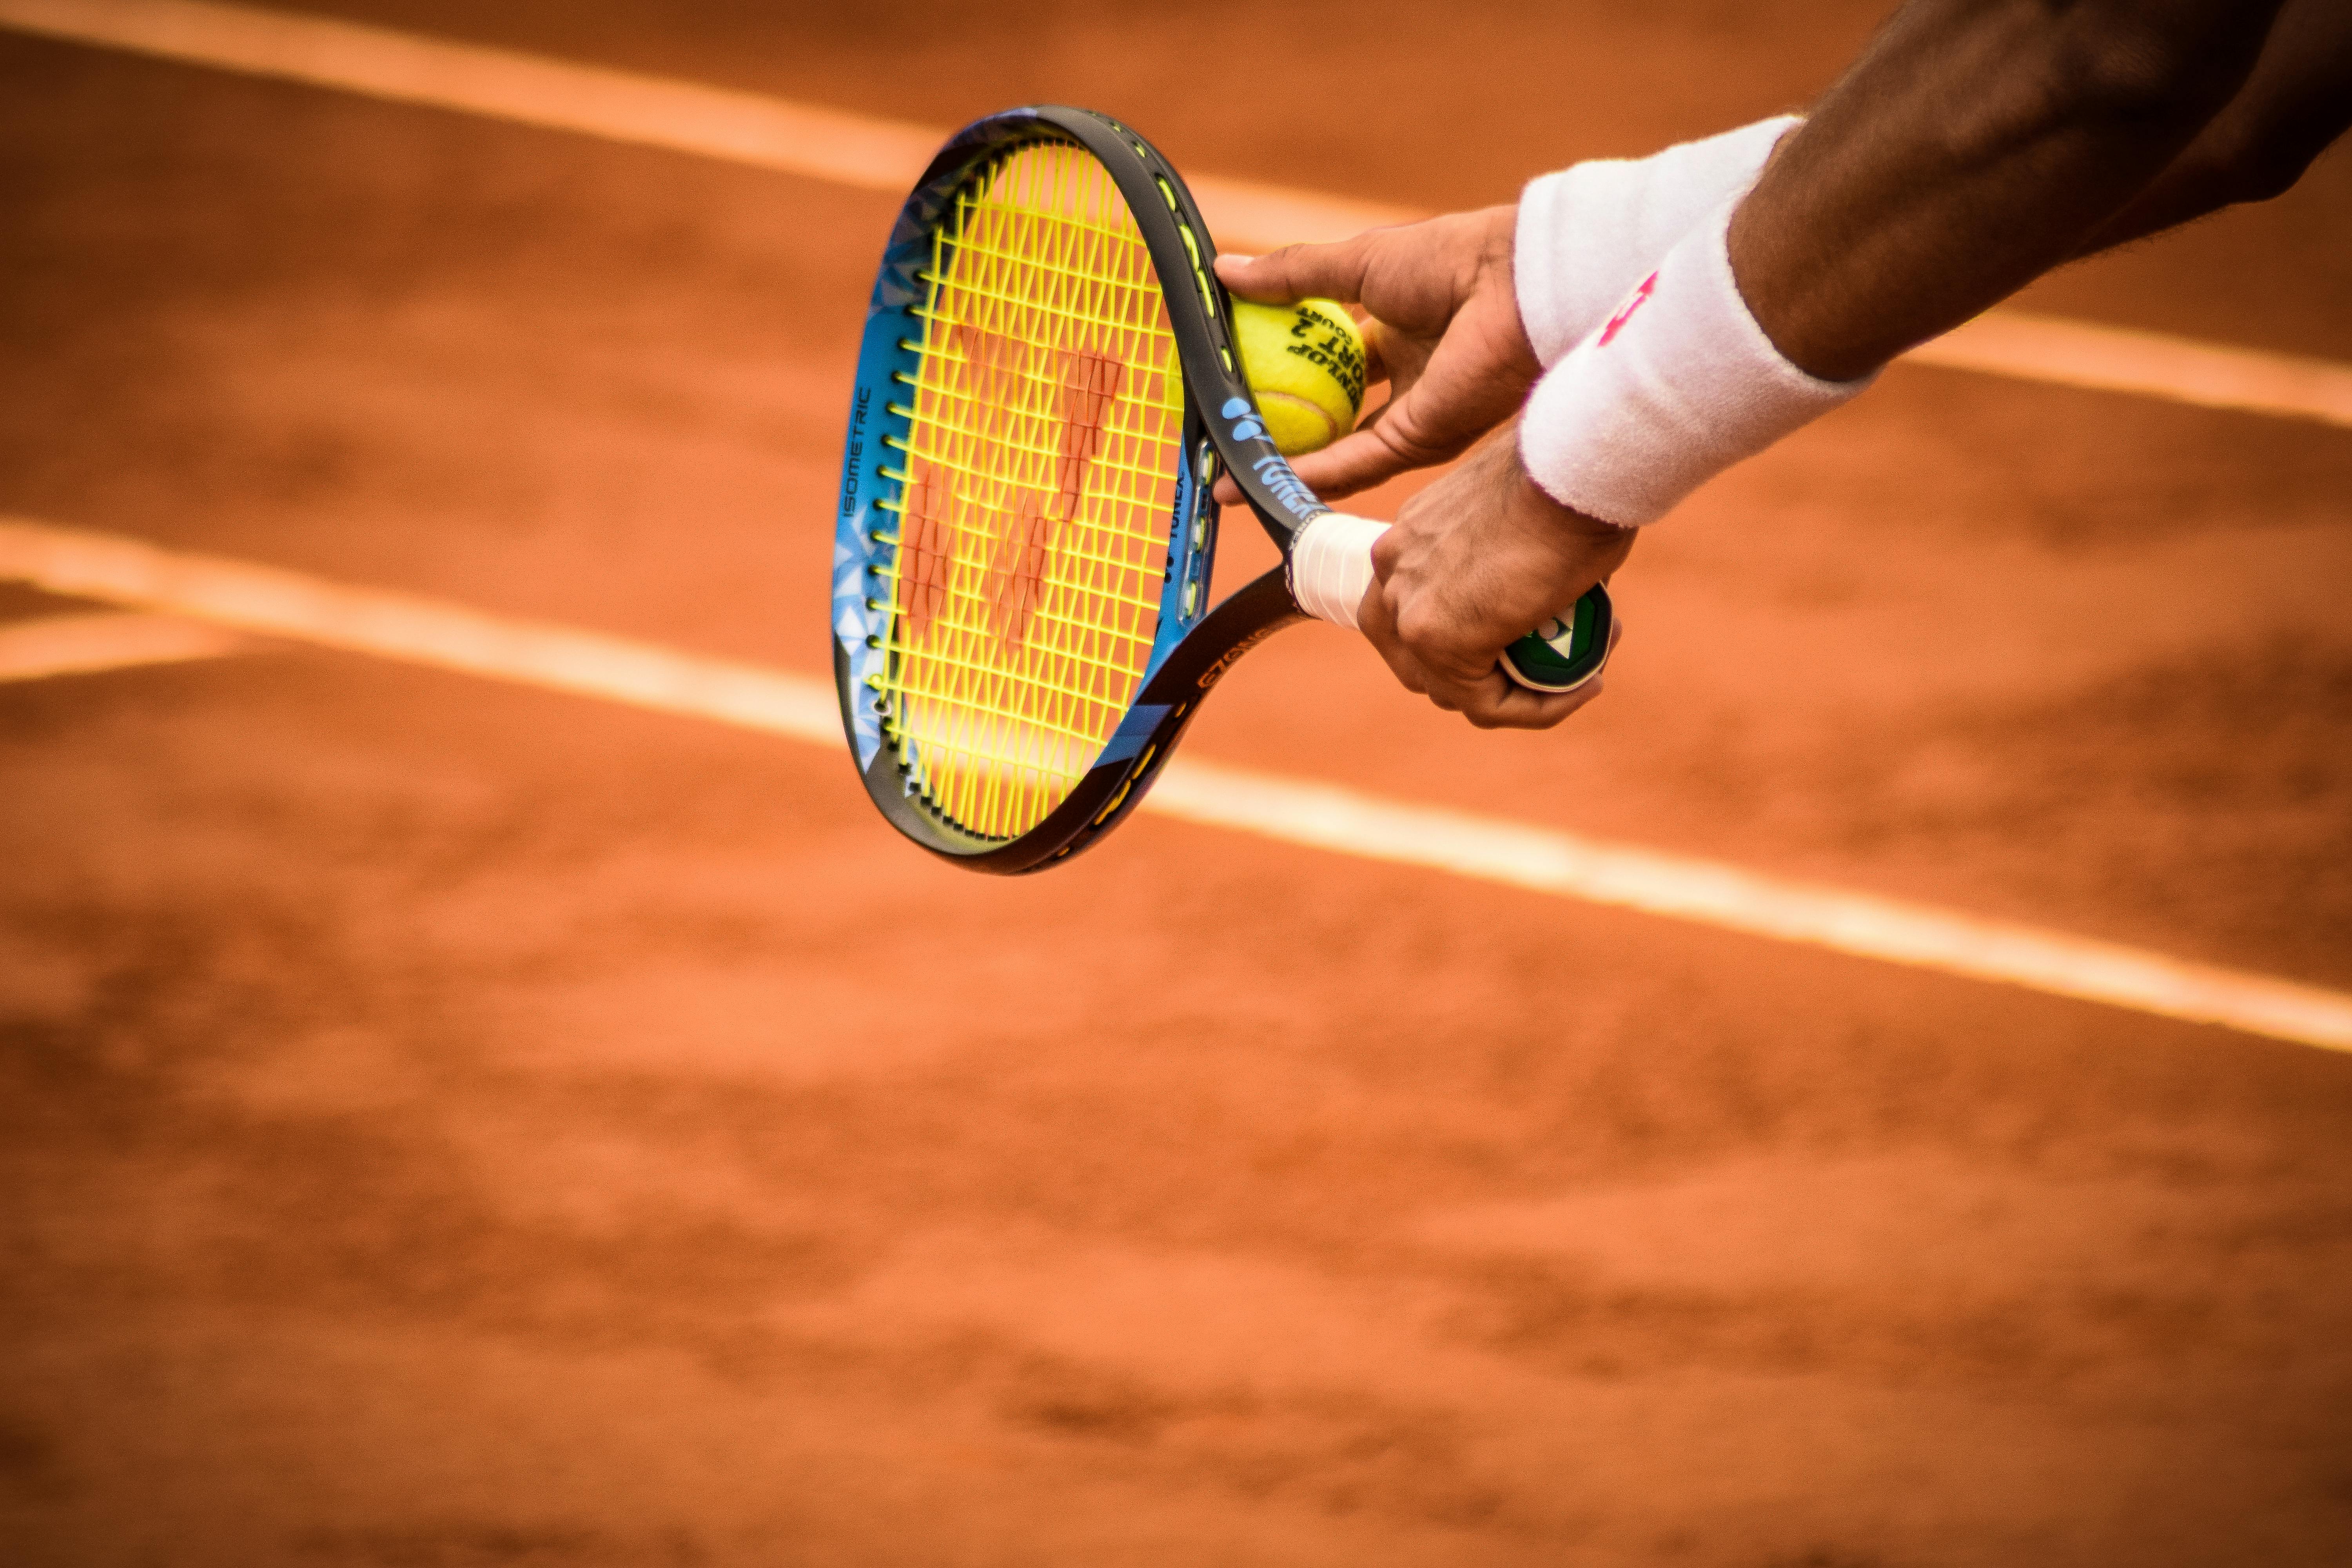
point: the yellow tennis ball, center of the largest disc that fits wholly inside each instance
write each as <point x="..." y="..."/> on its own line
<point x="1306" y="363"/>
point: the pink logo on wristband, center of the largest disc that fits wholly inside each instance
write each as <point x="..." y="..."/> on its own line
<point x="1641" y="290"/>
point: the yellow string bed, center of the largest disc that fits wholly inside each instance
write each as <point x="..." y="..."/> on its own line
<point x="1033" y="504"/>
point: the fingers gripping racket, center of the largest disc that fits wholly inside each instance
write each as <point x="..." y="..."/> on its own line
<point x="1047" y="392"/>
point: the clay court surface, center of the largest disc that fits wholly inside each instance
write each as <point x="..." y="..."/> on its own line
<point x="448" y="1125"/>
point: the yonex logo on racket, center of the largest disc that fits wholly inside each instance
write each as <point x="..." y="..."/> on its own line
<point x="1295" y="497"/>
<point x="1245" y="426"/>
<point x="1216" y="671"/>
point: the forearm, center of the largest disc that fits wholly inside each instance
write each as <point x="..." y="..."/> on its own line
<point x="2296" y="100"/>
<point x="1973" y="147"/>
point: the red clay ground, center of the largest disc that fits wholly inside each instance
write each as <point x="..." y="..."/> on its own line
<point x="449" y="1125"/>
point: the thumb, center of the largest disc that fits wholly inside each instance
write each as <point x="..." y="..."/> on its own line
<point x="1300" y="271"/>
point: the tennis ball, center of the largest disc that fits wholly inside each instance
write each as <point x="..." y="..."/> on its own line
<point x="1306" y="363"/>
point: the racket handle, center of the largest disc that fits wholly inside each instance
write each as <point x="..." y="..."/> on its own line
<point x="1331" y="566"/>
<point x="1331" y="570"/>
<point x="1567" y="650"/>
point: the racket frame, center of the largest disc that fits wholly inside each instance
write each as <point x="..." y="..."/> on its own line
<point x="1223" y="432"/>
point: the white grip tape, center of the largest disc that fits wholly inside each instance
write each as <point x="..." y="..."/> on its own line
<point x="1331" y="566"/>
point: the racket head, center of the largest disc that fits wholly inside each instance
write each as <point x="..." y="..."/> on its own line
<point x="1045" y="390"/>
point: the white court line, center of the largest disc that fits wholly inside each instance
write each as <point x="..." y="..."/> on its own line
<point x="91" y="642"/>
<point x="2120" y="359"/>
<point x="889" y="155"/>
<point x="829" y="144"/>
<point x="277" y="602"/>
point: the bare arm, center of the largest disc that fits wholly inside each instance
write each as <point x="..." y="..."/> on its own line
<point x="1976" y="144"/>
<point x="2297" y="102"/>
<point x="1974" y="147"/>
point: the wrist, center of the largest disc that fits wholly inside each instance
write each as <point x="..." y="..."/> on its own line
<point x="1499" y="272"/>
<point x="1677" y="386"/>
<point x="1571" y="532"/>
<point x="1585" y="236"/>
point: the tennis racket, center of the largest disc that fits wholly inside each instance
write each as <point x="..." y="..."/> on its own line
<point x="1046" y="392"/>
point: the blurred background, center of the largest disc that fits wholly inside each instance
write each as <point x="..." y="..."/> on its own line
<point x="446" y="1123"/>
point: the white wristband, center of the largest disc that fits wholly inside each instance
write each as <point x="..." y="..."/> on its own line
<point x="1331" y="566"/>
<point x="1678" y="384"/>
<point x="1588" y="233"/>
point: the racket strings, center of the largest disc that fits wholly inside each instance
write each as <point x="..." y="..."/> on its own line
<point x="1035" y="499"/>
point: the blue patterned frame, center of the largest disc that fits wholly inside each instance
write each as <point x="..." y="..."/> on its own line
<point x="1182" y="664"/>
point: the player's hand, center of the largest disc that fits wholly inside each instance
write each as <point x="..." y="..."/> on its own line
<point x="1444" y="333"/>
<point x="1472" y="562"/>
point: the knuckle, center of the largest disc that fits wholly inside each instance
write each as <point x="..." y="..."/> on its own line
<point x="1270" y="274"/>
<point x="1403" y="431"/>
<point x="1418" y="627"/>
